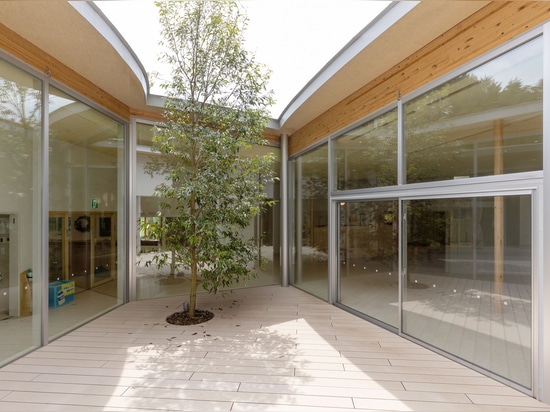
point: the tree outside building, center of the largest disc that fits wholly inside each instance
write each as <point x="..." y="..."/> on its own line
<point x="216" y="109"/>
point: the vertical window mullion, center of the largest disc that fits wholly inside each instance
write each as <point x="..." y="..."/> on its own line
<point x="400" y="142"/>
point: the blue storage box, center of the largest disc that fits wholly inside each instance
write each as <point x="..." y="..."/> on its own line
<point x="61" y="293"/>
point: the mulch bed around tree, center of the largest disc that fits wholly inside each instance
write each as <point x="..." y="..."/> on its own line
<point x="183" y="318"/>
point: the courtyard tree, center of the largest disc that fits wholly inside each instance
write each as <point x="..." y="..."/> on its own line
<point x="215" y="112"/>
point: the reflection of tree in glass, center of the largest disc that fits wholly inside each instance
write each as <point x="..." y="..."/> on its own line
<point x="314" y="174"/>
<point x="312" y="179"/>
<point x="377" y="229"/>
<point x="367" y="156"/>
<point x="427" y="151"/>
<point x="426" y="232"/>
<point x="487" y="94"/>
<point x="385" y="161"/>
<point x="19" y="122"/>
<point x="438" y="133"/>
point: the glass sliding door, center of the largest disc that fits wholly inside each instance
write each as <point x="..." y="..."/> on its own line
<point x="368" y="260"/>
<point x="20" y="212"/>
<point x="451" y="271"/>
<point x="309" y="222"/>
<point x="86" y="208"/>
<point x="468" y="283"/>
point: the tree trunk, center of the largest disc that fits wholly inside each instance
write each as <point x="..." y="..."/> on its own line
<point x="193" y="291"/>
<point x="173" y="264"/>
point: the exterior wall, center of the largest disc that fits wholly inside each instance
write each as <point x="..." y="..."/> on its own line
<point x="493" y="25"/>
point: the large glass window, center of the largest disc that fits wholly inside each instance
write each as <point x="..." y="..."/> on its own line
<point x="466" y="276"/>
<point x="20" y="212"/>
<point x="367" y="156"/>
<point x="468" y="282"/>
<point x="368" y="264"/>
<point x="153" y="281"/>
<point x="485" y="122"/>
<point x="309" y="222"/>
<point x="86" y="208"/>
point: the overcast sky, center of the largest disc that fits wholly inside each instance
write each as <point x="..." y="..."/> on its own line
<point x="294" y="38"/>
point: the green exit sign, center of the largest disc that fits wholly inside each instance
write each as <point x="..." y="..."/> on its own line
<point x="95" y="204"/>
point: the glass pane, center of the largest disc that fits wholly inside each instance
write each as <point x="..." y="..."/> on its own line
<point x="152" y="281"/>
<point x="86" y="209"/>
<point x="485" y="122"/>
<point x="468" y="285"/>
<point x="145" y="134"/>
<point x="367" y="156"/>
<point x="20" y="212"/>
<point x="368" y="270"/>
<point x="267" y="227"/>
<point x="309" y="222"/>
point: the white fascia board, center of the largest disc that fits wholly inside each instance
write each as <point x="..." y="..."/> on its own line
<point x="273" y="124"/>
<point x="387" y="18"/>
<point x="155" y="100"/>
<point x="101" y="23"/>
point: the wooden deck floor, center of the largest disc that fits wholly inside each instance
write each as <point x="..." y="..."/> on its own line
<point x="266" y="349"/>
